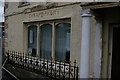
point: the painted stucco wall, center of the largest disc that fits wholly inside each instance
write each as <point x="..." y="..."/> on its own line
<point x="17" y="30"/>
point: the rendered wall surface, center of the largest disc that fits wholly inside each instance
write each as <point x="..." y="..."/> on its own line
<point x="16" y="18"/>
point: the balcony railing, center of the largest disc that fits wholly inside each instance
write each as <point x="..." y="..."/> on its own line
<point x="49" y="68"/>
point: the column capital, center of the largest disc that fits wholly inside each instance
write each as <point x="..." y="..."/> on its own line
<point x="86" y="13"/>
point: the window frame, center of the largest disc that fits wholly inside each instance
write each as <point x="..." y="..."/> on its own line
<point x="70" y="38"/>
<point x="53" y="23"/>
<point x="28" y="37"/>
<point x="41" y="25"/>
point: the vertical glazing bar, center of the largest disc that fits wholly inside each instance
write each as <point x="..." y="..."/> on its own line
<point x="17" y="59"/>
<point x="51" y="67"/>
<point x="14" y="56"/>
<point x="69" y="69"/>
<point x="31" y="64"/>
<point x="40" y="65"/>
<point x="64" y="70"/>
<point x="77" y="72"/>
<point x="55" y="69"/>
<point x="8" y="55"/>
<point x="34" y="68"/>
<point x="43" y="63"/>
<point x="23" y="61"/>
<point x="39" y="40"/>
<point x="28" y="62"/>
<point x="74" y="69"/>
<point x="59" y="68"/>
<point x="47" y="67"/>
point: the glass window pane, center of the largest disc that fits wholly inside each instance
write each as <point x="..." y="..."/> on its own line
<point x="32" y="40"/>
<point x="62" y="50"/>
<point x="46" y="41"/>
<point x="31" y="37"/>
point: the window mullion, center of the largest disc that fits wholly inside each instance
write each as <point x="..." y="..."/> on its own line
<point x="38" y="40"/>
<point x="53" y="41"/>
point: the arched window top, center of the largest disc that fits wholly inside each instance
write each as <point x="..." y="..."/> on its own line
<point x="45" y="25"/>
<point x="64" y="26"/>
<point x="32" y="26"/>
<point x="67" y="23"/>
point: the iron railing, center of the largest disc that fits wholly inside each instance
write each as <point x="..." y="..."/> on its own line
<point x="49" y="68"/>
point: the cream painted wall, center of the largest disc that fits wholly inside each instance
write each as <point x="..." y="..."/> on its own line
<point x="76" y="23"/>
<point x="15" y="33"/>
<point x="17" y="30"/>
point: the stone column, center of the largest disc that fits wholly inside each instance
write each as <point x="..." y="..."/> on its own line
<point x="98" y="47"/>
<point x="85" y="44"/>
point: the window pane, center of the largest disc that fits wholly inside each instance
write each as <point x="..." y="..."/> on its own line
<point x="32" y="40"/>
<point x="62" y="50"/>
<point x="46" y="41"/>
<point x="31" y="37"/>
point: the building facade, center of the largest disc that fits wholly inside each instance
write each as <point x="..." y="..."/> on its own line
<point x="50" y="15"/>
<point x="65" y="32"/>
<point x="44" y="30"/>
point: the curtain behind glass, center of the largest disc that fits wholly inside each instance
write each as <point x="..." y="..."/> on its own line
<point x="32" y="40"/>
<point x="46" y="41"/>
<point x="62" y="46"/>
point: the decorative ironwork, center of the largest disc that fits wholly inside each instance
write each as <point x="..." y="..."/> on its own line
<point x="50" y="68"/>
